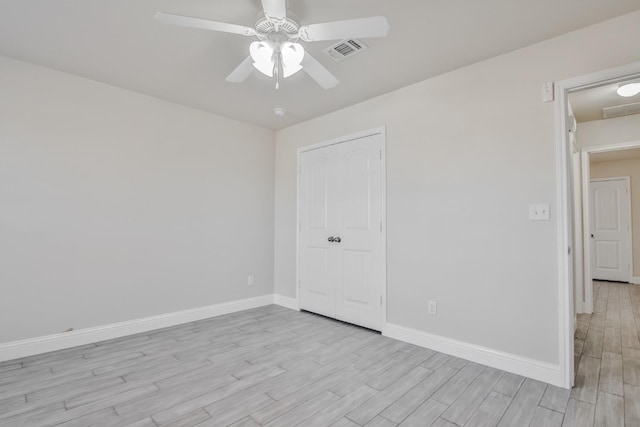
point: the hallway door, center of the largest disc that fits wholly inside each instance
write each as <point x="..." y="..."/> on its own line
<point x="610" y="229"/>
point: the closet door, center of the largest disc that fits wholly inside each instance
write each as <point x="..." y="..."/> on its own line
<point x="359" y="254"/>
<point x="341" y="265"/>
<point x="317" y="263"/>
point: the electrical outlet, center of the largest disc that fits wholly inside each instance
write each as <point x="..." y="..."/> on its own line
<point x="432" y="308"/>
<point x="250" y="280"/>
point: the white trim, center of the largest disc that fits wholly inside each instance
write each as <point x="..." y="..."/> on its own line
<point x="541" y="371"/>
<point x="359" y="135"/>
<point x="578" y="236"/>
<point x="626" y="179"/>
<point x="586" y="234"/>
<point x="564" y="200"/>
<point x="45" y="344"/>
<point x="286" y="302"/>
<point x="636" y="280"/>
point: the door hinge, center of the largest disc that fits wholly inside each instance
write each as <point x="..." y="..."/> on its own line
<point x="299" y="284"/>
<point x="380" y="154"/>
<point x="380" y="299"/>
<point x="381" y="227"/>
<point x="300" y="226"/>
<point x="569" y="251"/>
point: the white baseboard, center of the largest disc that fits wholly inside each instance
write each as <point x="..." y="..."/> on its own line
<point x="287" y="302"/>
<point x="635" y="280"/>
<point x="541" y="371"/>
<point x="32" y="346"/>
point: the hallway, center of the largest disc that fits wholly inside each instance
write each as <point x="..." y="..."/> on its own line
<point x="607" y="357"/>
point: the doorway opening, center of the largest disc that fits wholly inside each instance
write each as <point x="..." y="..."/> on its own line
<point x="573" y="162"/>
<point x="611" y="217"/>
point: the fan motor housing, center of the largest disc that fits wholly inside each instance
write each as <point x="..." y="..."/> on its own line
<point x="287" y="26"/>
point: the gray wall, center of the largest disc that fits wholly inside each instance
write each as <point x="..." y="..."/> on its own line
<point x="608" y="132"/>
<point x="467" y="152"/>
<point x="117" y="206"/>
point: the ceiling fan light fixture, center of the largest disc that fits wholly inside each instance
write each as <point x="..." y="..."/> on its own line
<point x="262" y="55"/>
<point x="274" y="54"/>
<point x="628" y="89"/>
<point x="292" y="56"/>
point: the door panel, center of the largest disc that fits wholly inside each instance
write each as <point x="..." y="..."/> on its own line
<point x="316" y="190"/>
<point x="319" y="292"/>
<point x="357" y="190"/>
<point x="607" y="254"/>
<point x="607" y="201"/>
<point x="359" y="287"/>
<point x="610" y="230"/>
<point x="315" y="260"/>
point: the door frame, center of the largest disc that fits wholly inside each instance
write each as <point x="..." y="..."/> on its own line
<point x="564" y="200"/>
<point x="347" y="138"/>
<point x="586" y="214"/>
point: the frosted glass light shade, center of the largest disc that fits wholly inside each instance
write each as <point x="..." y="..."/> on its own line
<point x="292" y="55"/>
<point x="262" y="55"/>
<point x="629" y="89"/>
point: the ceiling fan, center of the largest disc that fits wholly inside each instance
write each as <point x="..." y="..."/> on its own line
<point x="277" y="52"/>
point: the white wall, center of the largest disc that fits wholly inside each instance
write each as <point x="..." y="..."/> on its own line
<point x="610" y="131"/>
<point x="467" y="152"/>
<point x="118" y="206"/>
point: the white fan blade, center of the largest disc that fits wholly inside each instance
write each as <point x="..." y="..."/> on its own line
<point x="276" y="9"/>
<point x="204" y="24"/>
<point x="318" y="72"/>
<point x="375" y="26"/>
<point x="241" y="72"/>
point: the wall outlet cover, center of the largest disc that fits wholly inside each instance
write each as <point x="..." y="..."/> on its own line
<point x="432" y="308"/>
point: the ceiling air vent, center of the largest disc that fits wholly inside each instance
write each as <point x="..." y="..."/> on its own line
<point x="345" y="49"/>
<point x="621" y="110"/>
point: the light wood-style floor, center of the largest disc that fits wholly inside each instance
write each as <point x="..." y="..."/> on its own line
<point x="277" y="367"/>
<point x="607" y="357"/>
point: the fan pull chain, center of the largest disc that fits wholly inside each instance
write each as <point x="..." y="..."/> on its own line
<point x="277" y="66"/>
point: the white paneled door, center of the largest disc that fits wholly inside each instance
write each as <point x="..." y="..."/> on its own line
<point x="341" y="270"/>
<point x="610" y="229"/>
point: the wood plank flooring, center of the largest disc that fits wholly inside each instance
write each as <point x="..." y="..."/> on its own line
<point x="277" y="367"/>
<point x="607" y="359"/>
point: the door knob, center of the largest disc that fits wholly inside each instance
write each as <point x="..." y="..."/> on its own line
<point x="337" y="239"/>
<point x="331" y="239"/>
<point x="592" y="235"/>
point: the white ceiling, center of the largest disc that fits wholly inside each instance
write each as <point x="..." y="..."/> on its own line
<point x="120" y="43"/>
<point x="587" y="104"/>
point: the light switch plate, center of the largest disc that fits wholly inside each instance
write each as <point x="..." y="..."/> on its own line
<point x="547" y="92"/>
<point x="539" y="212"/>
